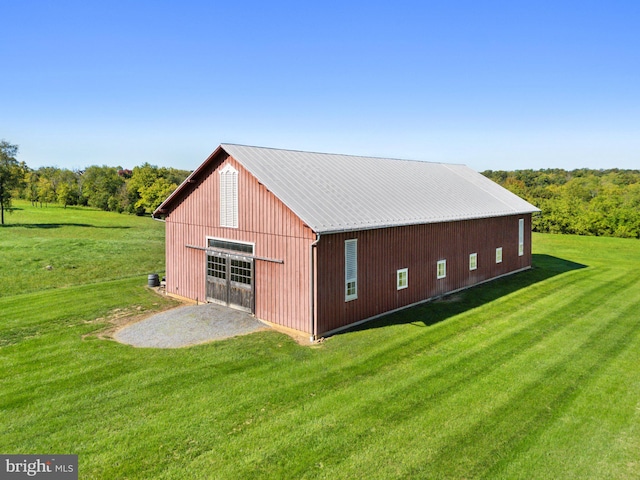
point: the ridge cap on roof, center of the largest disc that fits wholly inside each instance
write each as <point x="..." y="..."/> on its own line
<point x="449" y="199"/>
<point x="293" y="150"/>
<point x="488" y="192"/>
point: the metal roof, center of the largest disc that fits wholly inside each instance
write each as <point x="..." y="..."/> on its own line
<point x="336" y="193"/>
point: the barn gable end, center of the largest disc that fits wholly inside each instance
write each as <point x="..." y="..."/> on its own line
<point x="281" y="289"/>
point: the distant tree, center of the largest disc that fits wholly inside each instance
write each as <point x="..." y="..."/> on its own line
<point x="142" y="178"/>
<point x="150" y="185"/>
<point x="11" y="175"/>
<point x="100" y="187"/>
<point x="151" y="197"/>
<point x="40" y="185"/>
<point x="67" y="187"/>
<point x="125" y="173"/>
<point x="22" y="189"/>
<point x="582" y="201"/>
<point x="174" y="175"/>
<point x="32" y="178"/>
<point x="516" y="186"/>
<point x="46" y="190"/>
<point x="122" y="200"/>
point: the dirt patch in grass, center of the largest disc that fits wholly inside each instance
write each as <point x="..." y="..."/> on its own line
<point x="300" y="338"/>
<point x="121" y="317"/>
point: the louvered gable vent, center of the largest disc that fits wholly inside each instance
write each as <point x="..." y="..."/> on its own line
<point x="229" y="197"/>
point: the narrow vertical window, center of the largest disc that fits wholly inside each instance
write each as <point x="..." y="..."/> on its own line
<point x="441" y="271"/>
<point x="350" y="270"/>
<point x="473" y="261"/>
<point x="402" y="278"/>
<point x="521" y="237"/>
<point x="229" y="197"/>
<point x="499" y="255"/>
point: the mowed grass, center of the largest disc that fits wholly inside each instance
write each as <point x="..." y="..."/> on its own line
<point x="533" y="376"/>
<point x="54" y="247"/>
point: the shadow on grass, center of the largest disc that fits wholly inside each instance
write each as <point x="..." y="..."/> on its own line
<point x="56" y="225"/>
<point x="442" y="308"/>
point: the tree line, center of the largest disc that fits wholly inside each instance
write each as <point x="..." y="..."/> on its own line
<point x="116" y="189"/>
<point x="580" y="202"/>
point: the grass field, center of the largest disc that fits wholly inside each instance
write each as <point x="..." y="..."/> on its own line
<point x="533" y="376"/>
<point x="79" y="245"/>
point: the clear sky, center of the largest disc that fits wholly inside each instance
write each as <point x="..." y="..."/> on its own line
<point x="491" y="84"/>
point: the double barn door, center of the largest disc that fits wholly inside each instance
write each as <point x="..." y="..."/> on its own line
<point x="230" y="280"/>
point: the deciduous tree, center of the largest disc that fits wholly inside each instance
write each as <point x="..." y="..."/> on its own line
<point x="150" y="185"/>
<point x="100" y="186"/>
<point x="11" y="174"/>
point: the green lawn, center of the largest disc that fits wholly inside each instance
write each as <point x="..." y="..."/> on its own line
<point x="79" y="245"/>
<point x="532" y="376"/>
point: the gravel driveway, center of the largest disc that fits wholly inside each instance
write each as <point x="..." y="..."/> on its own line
<point x="183" y="326"/>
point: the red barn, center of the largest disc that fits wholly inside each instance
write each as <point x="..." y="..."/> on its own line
<point x="318" y="242"/>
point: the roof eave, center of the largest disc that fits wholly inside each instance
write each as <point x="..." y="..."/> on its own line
<point x="164" y="207"/>
<point x="359" y="228"/>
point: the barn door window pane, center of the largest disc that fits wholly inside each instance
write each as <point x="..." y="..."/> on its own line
<point x="241" y="271"/>
<point x="499" y="255"/>
<point x="230" y="245"/>
<point x="350" y="269"/>
<point x="229" y="197"/>
<point x="216" y="267"/>
<point x="521" y="237"/>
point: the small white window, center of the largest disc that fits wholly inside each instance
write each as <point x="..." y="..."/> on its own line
<point x="473" y="261"/>
<point x="350" y="270"/>
<point x="499" y="255"/>
<point x="442" y="269"/>
<point x="403" y="278"/>
<point x="229" y="197"/>
<point x="521" y="237"/>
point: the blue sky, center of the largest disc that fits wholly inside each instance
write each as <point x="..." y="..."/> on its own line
<point x="494" y="85"/>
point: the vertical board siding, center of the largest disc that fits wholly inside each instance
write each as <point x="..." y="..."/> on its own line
<point x="382" y="252"/>
<point x="281" y="290"/>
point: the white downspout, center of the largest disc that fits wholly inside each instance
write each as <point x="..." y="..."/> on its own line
<point x="312" y="319"/>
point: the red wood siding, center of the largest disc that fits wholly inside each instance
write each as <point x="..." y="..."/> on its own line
<point x="382" y="252"/>
<point x="281" y="290"/>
